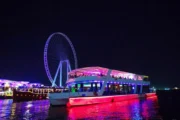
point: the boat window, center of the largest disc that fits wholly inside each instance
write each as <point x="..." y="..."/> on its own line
<point x="116" y="89"/>
<point x="85" y="87"/>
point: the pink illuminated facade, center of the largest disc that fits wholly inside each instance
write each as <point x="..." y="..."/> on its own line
<point x="11" y="83"/>
<point x="16" y="84"/>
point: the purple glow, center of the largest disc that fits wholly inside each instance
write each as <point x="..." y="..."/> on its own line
<point x="12" y="83"/>
<point x="16" y="83"/>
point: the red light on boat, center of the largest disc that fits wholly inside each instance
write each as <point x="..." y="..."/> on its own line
<point x="102" y="99"/>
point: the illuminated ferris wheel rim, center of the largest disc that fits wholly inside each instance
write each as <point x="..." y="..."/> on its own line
<point x="46" y="50"/>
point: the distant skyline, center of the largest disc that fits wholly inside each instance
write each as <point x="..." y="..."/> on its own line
<point x="141" y="38"/>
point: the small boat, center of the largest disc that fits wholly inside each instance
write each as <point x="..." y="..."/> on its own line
<point x="93" y="85"/>
<point x="29" y="94"/>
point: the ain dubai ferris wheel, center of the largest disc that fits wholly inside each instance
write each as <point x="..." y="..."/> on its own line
<point x="59" y="58"/>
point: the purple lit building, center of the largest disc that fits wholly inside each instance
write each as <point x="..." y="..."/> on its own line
<point x="16" y="84"/>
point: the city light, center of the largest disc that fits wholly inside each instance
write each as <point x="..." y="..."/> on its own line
<point x="175" y="88"/>
<point x="166" y="88"/>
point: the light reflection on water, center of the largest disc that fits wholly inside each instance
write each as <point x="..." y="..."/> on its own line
<point x="41" y="110"/>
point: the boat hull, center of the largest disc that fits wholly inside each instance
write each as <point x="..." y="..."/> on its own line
<point x="59" y="102"/>
<point x="100" y="99"/>
<point x="27" y="96"/>
<point x="77" y="101"/>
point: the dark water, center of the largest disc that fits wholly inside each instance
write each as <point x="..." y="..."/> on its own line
<point x="41" y="110"/>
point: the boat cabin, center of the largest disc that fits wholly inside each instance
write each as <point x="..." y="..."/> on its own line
<point x="106" y="81"/>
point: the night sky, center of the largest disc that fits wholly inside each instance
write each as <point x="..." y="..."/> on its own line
<point x="139" y="37"/>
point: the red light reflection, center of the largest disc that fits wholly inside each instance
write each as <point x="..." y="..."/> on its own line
<point x="129" y="109"/>
<point x="103" y="111"/>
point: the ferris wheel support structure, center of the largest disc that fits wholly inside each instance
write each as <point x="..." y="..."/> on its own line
<point x="59" y="69"/>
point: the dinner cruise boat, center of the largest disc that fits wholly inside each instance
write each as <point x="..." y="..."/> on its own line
<point x="92" y="85"/>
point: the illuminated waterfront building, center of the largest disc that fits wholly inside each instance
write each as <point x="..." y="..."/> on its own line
<point x="7" y="86"/>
